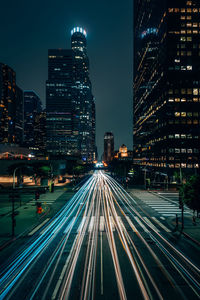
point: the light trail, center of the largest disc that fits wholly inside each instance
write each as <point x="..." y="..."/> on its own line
<point x="183" y="271"/>
<point x="101" y="203"/>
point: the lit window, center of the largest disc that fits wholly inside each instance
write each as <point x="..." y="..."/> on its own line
<point x="182" y="38"/>
<point x="183" y="165"/>
<point x="177" y="114"/>
<point x="183" y="114"/>
<point x="189" y="150"/>
<point x="177" y="99"/>
<point x="195" y="92"/>
<point x="183" y="91"/>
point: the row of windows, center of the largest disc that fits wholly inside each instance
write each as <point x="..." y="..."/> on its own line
<point x="184" y="10"/>
<point x="186" y="38"/>
<point x="183" y="46"/>
<point x="183" y="122"/>
<point x="180" y="68"/>
<point x="188" y="121"/>
<point x="182" y="136"/>
<point x="189" y="91"/>
<point x="186" y="114"/>
<point x="184" y="100"/>
<point x="183" y="150"/>
<point x="183" y="165"/>
<point x="184" y="53"/>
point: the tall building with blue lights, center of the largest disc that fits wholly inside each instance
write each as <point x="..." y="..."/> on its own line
<point x="69" y="100"/>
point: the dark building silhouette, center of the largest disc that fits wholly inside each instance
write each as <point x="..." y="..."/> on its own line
<point x="11" y="107"/>
<point x="167" y="83"/>
<point x="32" y="107"/>
<point x="40" y="132"/>
<point x="69" y="100"/>
<point x="19" y="116"/>
<point x="108" y="147"/>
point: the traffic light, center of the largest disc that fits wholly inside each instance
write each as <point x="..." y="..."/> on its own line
<point x="39" y="208"/>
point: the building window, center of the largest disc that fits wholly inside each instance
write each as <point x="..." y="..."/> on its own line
<point x="195" y="92"/>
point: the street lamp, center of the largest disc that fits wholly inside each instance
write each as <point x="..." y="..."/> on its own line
<point x="14" y="176"/>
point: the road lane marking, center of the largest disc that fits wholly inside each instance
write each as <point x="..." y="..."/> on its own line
<point x="63" y="272"/>
<point x="161" y="225"/>
<point x="101" y="225"/>
<point x="81" y="225"/>
<point x="112" y="223"/>
<point x="38" y="227"/>
<point x="151" y="225"/>
<point x="68" y="226"/>
<point x="140" y="223"/>
<point x="131" y="224"/>
<point x="91" y="224"/>
<point x="101" y="264"/>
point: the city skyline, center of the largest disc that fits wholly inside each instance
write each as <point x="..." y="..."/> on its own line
<point x="112" y="87"/>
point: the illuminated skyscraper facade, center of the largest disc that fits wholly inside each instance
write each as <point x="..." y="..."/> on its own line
<point x="11" y="107"/>
<point x="32" y="106"/>
<point x="108" y="147"/>
<point x="167" y="83"/>
<point x="69" y="100"/>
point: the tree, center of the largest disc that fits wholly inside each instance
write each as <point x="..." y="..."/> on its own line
<point x="190" y="193"/>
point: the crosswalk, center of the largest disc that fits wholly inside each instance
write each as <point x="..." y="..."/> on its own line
<point x="135" y="223"/>
<point x="165" y="207"/>
<point x="44" y="202"/>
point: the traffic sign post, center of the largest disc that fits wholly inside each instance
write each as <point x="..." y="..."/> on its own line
<point x="12" y="196"/>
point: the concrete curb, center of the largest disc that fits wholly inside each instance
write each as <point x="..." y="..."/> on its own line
<point x="190" y="238"/>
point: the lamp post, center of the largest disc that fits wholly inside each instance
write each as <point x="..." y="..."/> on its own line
<point x="14" y="176"/>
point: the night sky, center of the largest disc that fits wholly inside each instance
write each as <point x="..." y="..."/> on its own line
<point x="29" y="28"/>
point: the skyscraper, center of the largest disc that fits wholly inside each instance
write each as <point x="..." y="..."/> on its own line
<point x="32" y="106"/>
<point x="69" y="100"/>
<point x="108" y="147"/>
<point x="11" y="107"/>
<point x="62" y="119"/>
<point x="167" y="84"/>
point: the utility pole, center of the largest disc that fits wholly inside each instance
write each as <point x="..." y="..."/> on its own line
<point x="12" y="196"/>
<point x="181" y="206"/>
<point x="145" y="178"/>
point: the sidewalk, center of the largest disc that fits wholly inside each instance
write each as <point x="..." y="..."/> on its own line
<point x="26" y="216"/>
<point x="191" y="230"/>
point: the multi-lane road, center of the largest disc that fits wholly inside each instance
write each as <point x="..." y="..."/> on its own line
<point x="102" y="245"/>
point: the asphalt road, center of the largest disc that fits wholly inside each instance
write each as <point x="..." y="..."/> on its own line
<point x="103" y="245"/>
